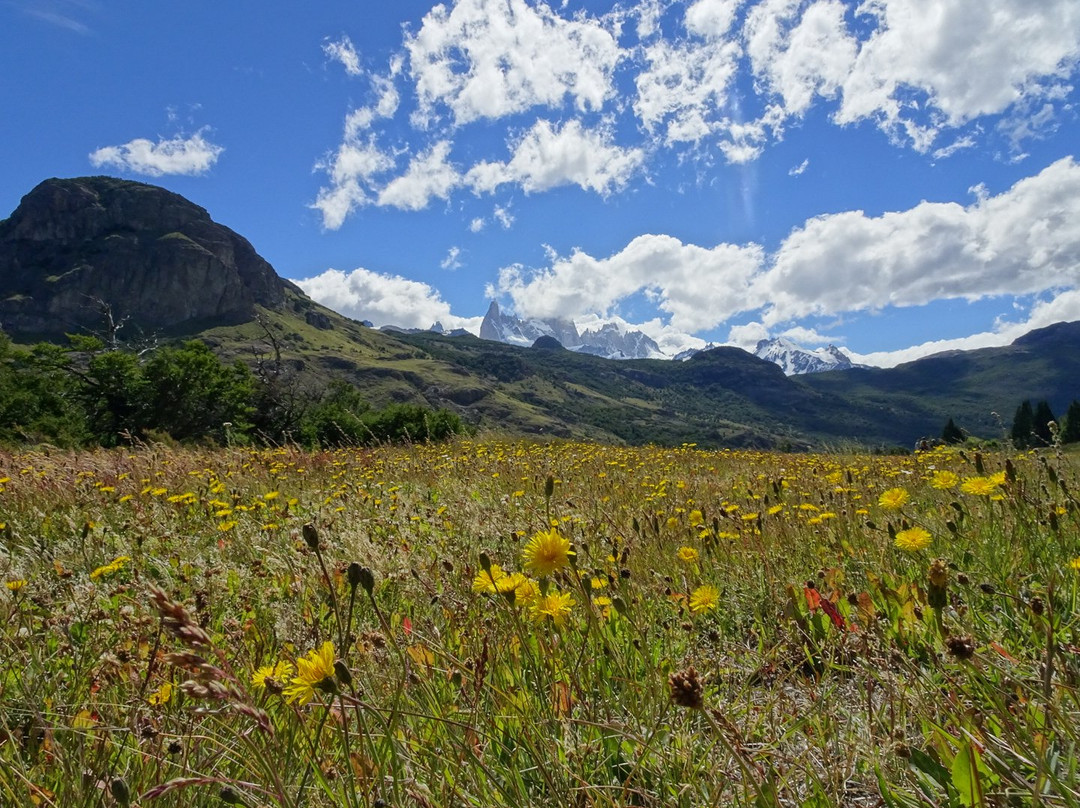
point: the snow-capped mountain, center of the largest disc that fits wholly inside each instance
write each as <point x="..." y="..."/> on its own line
<point x="614" y="342"/>
<point x="610" y="340"/>
<point x="501" y="327"/>
<point x="794" y="359"/>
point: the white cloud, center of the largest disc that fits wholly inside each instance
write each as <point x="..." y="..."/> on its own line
<point x="343" y="51"/>
<point x="353" y="170"/>
<point x="967" y="58"/>
<point x="547" y="157"/>
<point x="503" y="216"/>
<point x="384" y="299"/>
<point x="191" y="156"/>
<point x="747" y="335"/>
<point x="711" y="18"/>
<point x="795" y="171"/>
<point x="1022" y="241"/>
<point x="428" y="176"/>
<point x="799" y="57"/>
<point x="697" y="287"/>
<point x="492" y="58"/>
<point x="452" y="260"/>
<point x="477" y="224"/>
<point x="1065" y="307"/>
<point x="683" y="87"/>
<point x="1025" y="240"/>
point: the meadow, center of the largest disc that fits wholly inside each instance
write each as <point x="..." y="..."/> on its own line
<point x="501" y="623"/>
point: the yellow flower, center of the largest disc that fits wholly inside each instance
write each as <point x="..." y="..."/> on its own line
<point x="316" y="670"/>
<point x="279" y="673"/>
<point x="696" y="518"/>
<point x="15" y="586"/>
<point x="556" y="606"/>
<point x="1075" y="564"/>
<point x="704" y="599"/>
<point x="485" y="581"/>
<point x="597" y="582"/>
<point x="112" y="567"/>
<point x="687" y="555"/>
<point x="944" y="480"/>
<point x="602" y="601"/>
<point x="912" y="539"/>
<point x="526" y="592"/>
<point x="162" y="695"/>
<point x="979" y="486"/>
<point x="514" y="584"/>
<point x="894" y="499"/>
<point x="547" y="552"/>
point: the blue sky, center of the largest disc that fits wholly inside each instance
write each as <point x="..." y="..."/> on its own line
<point x="894" y="176"/>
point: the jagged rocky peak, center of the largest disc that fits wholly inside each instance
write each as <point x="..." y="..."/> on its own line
<point x="151" y="256"/>
<point x="795" y="360"/>
<point x="516" y="331"/>
<point x="610" y="340"/>
<point x="614" y="342"/>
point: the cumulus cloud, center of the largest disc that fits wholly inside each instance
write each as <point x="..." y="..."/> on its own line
<point x="429" y="175"/>
<point x="384" y="299"/>
<point x="1022" y="241"/>
<point x="548" y="156"/>
<point x="697" y="287"/>
<point x="353" y="170"/>
<point x="966" y="58"/>
<point x="492" y="58"/>
<point x="1025" y="240"/>
<point x="190" y="156"/>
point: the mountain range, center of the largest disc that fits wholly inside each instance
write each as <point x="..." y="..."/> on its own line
<point x="78" y="254"/>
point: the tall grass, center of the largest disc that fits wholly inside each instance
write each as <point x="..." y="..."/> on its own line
<point x="365" y="628"/>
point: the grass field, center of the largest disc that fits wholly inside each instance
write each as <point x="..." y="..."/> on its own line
<point x="493" y="623"/>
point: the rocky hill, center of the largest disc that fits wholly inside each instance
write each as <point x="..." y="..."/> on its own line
<point x="156" y="259"/>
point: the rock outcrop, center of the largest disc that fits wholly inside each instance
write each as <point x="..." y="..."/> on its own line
<point x="75" y="246"/>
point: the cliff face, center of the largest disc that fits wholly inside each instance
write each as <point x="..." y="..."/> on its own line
<point x="149" y="254"/>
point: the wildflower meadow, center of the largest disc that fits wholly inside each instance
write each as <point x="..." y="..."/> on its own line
<point x="500" y="623"/>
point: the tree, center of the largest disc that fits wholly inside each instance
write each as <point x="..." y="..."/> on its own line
<point x="1022" y="426"/>
<point x="1044" y="417"/>
<point x="952" y="434"/>
<point x="1070" y="429"/>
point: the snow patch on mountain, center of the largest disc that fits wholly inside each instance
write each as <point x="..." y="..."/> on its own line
<point x="794" y="359"/>
<point x="610" y="340"/>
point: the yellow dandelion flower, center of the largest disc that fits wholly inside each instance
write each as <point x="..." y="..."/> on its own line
<point x="486" y="581"/>
<point x="944" y="480"/>
<point x="704" y="599"/>
<point x="912" y="540"/>
<point x="894" y="499"/>
<point x="775" y="509"/>
<point x="597" y="582"/>
<point x="526" y="592"/>
<point x="1075" y="564"/>
<point x="508" y="584"/>
<point x="269" y="495"/>
<point x="696" y="518"/>
<point x="316" y="670"/>
<point x="16" y="585"/>
<point x="162" y="695"/>
<point x="688" y="555"/>
<point x="111" y="568"/>
<point x="279" y="672"/>
<point x="547" y="552"/>
<point x="555" y="605"/>
<point x="979" y="486"/>
<point x="602" y="601"/>
<point x="749" y="517"/>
